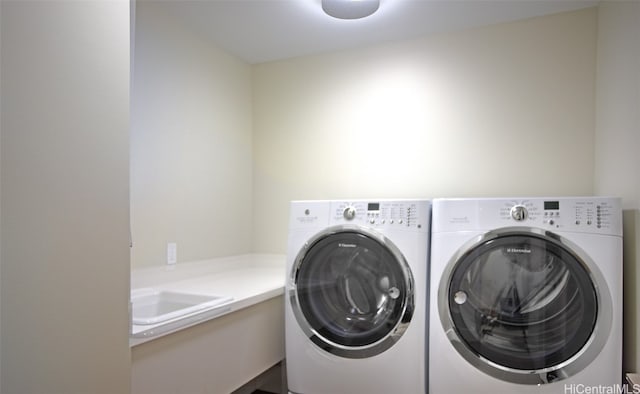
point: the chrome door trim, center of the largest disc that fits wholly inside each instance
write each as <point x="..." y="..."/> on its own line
<point x="408" y="303"/>
<point x="551" y="374"/>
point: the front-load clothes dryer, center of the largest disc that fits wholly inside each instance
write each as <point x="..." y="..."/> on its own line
<point x="526" y="295"/>
<point x="356" y="296"/>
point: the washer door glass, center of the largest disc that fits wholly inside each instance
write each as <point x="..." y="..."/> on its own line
<point x="523" y="302"/>
<point x="353" y="290"/>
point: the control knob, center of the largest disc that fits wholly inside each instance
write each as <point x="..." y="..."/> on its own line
<point x="519" y="213"/>
<point x="349" y="213"/>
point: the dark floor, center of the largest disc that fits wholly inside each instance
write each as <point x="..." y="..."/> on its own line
<point x="262" y="392"/>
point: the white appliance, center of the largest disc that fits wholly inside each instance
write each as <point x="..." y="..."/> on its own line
<point x="526" y="295"/>
<point x="356" y="296"/>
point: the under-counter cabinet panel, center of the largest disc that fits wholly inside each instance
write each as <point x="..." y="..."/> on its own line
<point x="215" y="357"/>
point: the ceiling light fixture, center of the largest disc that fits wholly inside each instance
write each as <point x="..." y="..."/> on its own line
<point x="350" y="9"/>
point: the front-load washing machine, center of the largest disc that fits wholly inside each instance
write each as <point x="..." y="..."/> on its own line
<point x="526" y="295"/>
<point x="356" y="296"/>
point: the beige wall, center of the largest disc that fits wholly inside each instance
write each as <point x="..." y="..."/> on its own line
<point x="0" y="206"/>
<point x="64" y="202"/>
<point x="190" y="145"/>
<point x="501" y="110"/>
<point x="617" y="153"/>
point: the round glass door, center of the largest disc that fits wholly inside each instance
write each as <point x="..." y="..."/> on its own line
<point x="353" y="292"/>
<point x="523" y="306"/>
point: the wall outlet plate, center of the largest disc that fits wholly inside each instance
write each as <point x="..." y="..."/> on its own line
<point x="172" y="253"/>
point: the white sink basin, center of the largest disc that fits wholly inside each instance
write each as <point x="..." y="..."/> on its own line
<point x="150" y="306"/>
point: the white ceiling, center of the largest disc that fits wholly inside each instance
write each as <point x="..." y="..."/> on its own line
<point x="265" y="30"/>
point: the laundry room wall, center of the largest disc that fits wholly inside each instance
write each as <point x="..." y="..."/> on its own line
<point x="495" y="111"/>
<point x="65" y="197"/>
<point x="191" y="125"/>
<point x="617" y="157"/>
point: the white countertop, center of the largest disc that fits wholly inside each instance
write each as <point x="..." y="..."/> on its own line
<point x="249" y="279"/>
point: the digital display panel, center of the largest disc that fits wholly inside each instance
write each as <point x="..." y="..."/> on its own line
<point x="373" y="206"/>
<point x="552" y="205"/>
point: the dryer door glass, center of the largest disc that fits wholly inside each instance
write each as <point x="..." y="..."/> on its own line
<point x="353" y="290"/>
<point x="523" y="301"/>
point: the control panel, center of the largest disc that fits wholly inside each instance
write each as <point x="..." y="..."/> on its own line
<point x="381" y="214"/>
<point x="590" y="214"/>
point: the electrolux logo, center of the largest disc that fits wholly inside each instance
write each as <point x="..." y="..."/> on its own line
<point x="341" y="245"/>
<point x="519" y="250"/>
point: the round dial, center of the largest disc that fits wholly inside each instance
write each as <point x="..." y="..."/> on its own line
<point x="519" y="213"/>
<point x="349" y="213"/>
